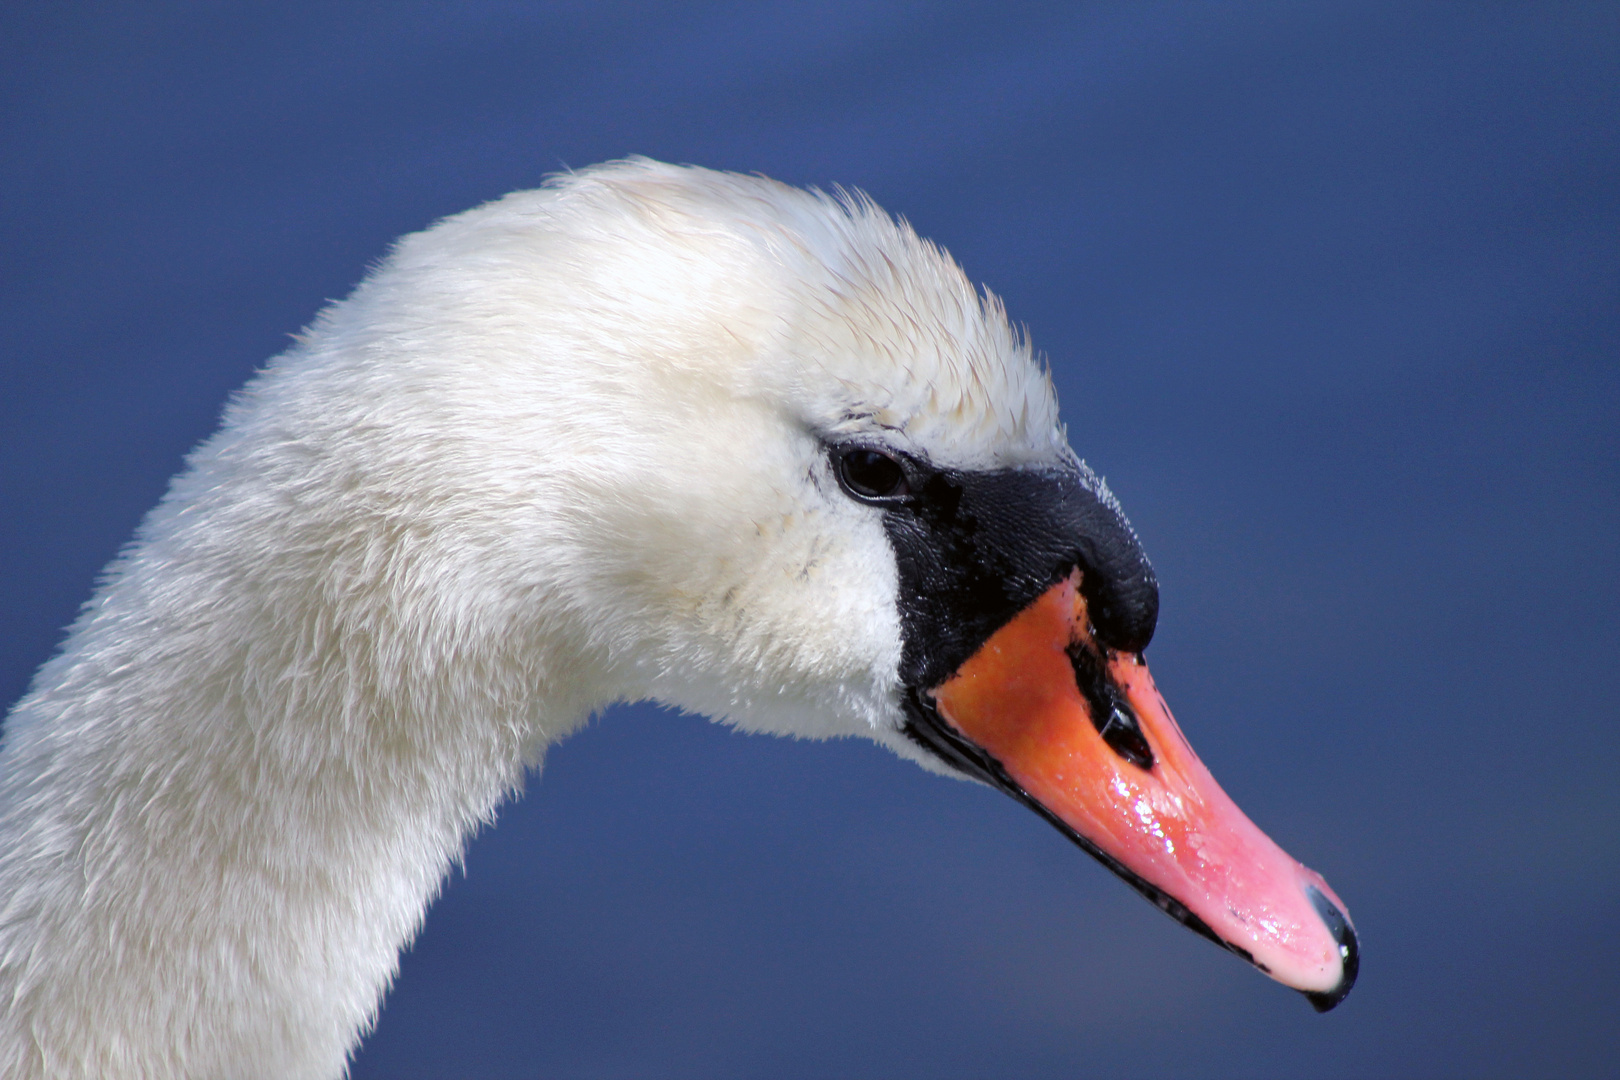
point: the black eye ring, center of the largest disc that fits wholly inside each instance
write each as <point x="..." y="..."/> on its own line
<point x="871" y="475"/>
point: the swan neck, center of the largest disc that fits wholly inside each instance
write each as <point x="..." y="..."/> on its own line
<point x="225" y="805"/>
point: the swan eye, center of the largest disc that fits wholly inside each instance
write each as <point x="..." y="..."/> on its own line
<point x="869" y="474"/>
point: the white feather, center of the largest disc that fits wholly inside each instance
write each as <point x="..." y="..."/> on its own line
<point x="559" y="451"/>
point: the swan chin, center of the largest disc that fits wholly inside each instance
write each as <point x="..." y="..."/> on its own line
<point x="647" y="433"/>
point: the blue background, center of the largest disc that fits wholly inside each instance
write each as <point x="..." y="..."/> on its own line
<point x="1333" y="297"/>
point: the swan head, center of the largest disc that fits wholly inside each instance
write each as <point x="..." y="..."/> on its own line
<point x="763" y="454"/>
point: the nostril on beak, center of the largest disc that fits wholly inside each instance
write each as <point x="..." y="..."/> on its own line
<point x="1349" y="951"/>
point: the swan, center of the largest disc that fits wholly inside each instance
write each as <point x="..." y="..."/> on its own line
<point x="646" y="433"/>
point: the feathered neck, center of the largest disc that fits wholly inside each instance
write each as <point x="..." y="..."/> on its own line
<point x="226" y="804"/>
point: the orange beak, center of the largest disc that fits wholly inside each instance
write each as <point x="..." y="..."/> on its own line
<point x="1081" y="733"/>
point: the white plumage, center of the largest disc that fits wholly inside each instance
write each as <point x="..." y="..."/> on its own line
<point x="563" y="450"/>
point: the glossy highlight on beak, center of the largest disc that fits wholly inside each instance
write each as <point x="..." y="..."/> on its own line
<point x="1080" y="732"/>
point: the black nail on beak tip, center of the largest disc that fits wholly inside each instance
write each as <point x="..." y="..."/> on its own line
<point x="1349" y="951"/>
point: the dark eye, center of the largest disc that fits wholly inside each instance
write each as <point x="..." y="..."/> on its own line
<point x="869" y="474"/>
